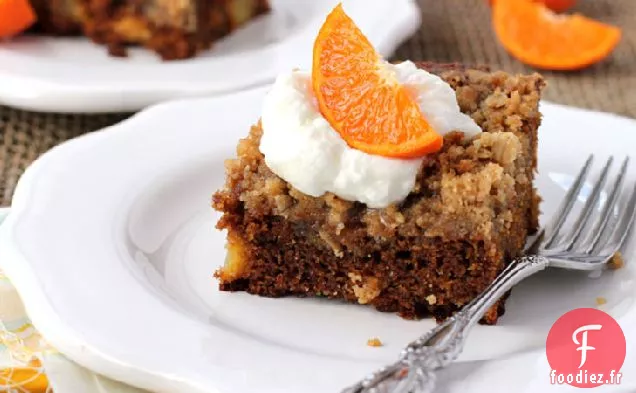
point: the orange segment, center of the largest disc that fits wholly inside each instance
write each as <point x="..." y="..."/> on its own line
<point x="15" y="17"/>
<point x="538" y="37"/>
<point x="362" y="99"/>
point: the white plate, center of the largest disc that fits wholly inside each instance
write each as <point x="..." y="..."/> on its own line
<point x="75" y="75"/>
<point x="111" y="243"/>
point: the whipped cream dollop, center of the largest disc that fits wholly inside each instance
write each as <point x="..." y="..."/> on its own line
<point x="302" y="148"/>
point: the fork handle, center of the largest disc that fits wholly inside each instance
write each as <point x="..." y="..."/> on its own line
<point x="442" y="345"/>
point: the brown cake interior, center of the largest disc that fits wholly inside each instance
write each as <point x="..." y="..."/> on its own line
<point x="469" y="214"/>
<point x="173" y="29"/>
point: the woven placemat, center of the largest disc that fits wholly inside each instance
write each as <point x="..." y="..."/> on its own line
<point x="452" y="30"/>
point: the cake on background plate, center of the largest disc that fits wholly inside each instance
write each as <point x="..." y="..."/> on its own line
<point x="407" y="187"/>
<point x="173" y="29"/>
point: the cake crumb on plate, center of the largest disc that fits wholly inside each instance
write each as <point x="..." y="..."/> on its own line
<point x="600" y="301"/>
<point x="616" y="262"/>
<point x="374" y="342"/>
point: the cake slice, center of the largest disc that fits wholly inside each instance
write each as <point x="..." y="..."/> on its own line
<point x="401" y="186"/>
<point x="468" y="215"/>
<point x="173" y="29"/>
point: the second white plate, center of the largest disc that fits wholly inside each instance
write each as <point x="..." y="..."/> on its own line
<point x="75" y="75"/>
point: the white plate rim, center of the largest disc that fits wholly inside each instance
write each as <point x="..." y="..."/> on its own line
<point x="20" y="269"/>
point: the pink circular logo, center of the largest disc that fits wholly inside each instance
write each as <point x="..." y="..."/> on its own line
<point x="586" y="348"/>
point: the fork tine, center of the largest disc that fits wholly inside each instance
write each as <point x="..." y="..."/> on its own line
<point x="570" y="198"/>
<point x="622" y="228"/>
<point x="592" y="200"/>
<point x="606" y="214"/>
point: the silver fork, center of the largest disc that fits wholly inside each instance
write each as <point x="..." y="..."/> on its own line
<point x="580" y="248"/>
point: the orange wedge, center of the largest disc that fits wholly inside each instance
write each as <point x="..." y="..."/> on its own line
<point x="15" y="17"/>
<point x="540" y="38"/>
<point x="361" y="98"/>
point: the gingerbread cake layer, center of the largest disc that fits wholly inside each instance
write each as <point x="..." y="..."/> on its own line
<point x="469" y="214"/>
<point x="173" y="29"/>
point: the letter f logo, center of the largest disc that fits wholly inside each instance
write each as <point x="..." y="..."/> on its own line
<point x="583" y="344"/>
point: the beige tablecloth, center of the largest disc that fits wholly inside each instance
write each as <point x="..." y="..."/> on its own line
<point x="452" y="30"/>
